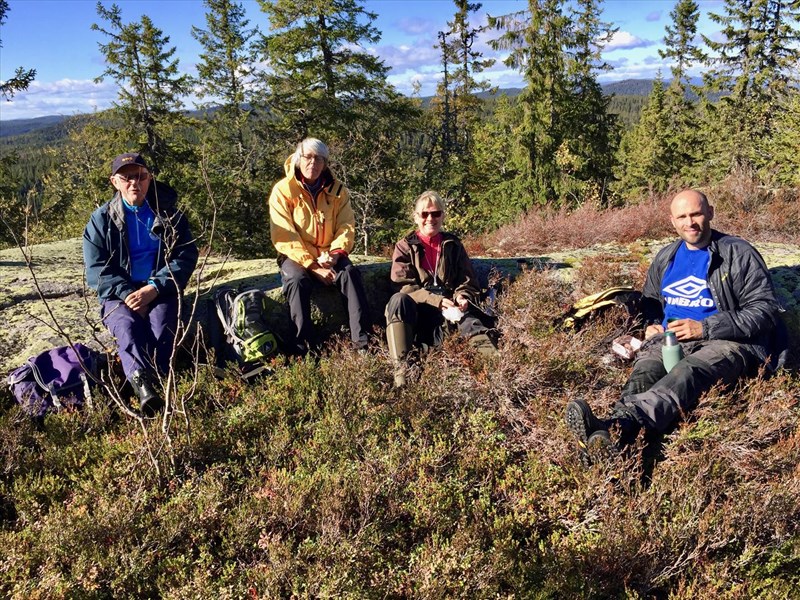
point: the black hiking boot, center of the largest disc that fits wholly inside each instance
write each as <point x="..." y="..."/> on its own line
<point x="600" y="448"/>
<point x="144" y="384"/>
<point x="582" y="423"/>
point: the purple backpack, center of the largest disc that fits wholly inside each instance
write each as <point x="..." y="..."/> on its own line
<point x="55" y="379"/>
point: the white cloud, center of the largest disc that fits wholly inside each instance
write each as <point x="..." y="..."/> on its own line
<point x="403" y="56"/>
<point x="622" y="40"/>
<point x="62" y="97"/>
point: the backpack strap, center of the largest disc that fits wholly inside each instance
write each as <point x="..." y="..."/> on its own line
<point x="37" y="375"/>
<point x="224" y="305"/>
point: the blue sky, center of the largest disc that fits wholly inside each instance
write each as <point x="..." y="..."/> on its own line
<point x="54" y="37"/>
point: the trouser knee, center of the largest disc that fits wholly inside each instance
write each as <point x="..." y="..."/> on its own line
<point x="401" y="308"/>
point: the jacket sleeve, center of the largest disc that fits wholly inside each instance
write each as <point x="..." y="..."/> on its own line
<point x="181" y="255"/>
<point x="652" y="308"/>
<point x="405" y="277"/>
<point x="345" y="231"/>
<point x="467" y="281"/>
<point x="283" y="232"/>
<point x="748" y="291"/>
<point x="104" y="271"/>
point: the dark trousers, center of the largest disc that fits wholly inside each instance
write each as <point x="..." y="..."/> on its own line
<point x="427" y="320"/>
<point x="298" y="284"/>
<point x="657" y="398"/>
<point x="143" y="342"/>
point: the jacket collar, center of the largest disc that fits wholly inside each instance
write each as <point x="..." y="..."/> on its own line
<point x="413" y="238"/>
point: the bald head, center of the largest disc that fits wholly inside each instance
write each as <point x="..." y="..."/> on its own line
<point x="691" y="215"/>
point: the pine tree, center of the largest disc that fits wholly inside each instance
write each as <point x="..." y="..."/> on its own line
<point x="150" y="88"/>
<point x="319" y="74"/>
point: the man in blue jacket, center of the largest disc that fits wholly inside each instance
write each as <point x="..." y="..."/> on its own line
<point x="715" y="292"/>
<point x="139" y="255"/>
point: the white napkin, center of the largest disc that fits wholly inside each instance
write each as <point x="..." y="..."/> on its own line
<point x="453" y="314"/>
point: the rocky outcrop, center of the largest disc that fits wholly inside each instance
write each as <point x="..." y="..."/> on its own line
<point x="42" y="304"/>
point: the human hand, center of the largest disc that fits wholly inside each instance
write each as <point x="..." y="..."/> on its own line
<point x="446" y="303"/>
<point x="652" y="330"/>
<point x="325" y="260"/>
<point x="139" y="300"/>
<point x="686" y="329"/>
<point x="326" y="276"/>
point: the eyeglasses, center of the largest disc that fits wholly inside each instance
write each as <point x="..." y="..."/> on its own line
<point x="138" y="177"/>
<point x="312" y="157"/>
<point x="433" y="213"/>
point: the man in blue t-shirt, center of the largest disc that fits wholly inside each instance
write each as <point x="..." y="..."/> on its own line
<point x="715" y="293"/>
<point x="139" y="254"/>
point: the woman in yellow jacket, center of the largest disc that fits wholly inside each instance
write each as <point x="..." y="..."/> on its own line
<point x="313" y="229"/>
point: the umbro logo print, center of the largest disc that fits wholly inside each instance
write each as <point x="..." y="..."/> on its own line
<point x="686" y="292"/>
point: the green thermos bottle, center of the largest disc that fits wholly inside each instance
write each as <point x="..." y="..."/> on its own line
<point x="671" y="351"/>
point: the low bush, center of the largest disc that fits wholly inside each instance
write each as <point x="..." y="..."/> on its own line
<point x="322" y="480"/>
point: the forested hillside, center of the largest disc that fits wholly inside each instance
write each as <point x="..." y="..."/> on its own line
<point x="560" y="142"/>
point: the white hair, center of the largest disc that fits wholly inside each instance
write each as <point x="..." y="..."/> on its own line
<point x="312" y="145"/>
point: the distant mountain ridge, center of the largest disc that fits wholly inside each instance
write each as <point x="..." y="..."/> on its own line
<point x="627" y="87"/>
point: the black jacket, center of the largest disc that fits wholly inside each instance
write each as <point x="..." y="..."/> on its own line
<point x="742" y="289"/>
<point x="106" y="254"/>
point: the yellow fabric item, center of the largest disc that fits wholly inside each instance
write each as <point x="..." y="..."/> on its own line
<point x="591" y="303"/>
<point x="301" y="229"/>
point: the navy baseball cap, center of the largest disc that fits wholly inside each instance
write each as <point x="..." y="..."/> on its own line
<point x="129" y="158"/>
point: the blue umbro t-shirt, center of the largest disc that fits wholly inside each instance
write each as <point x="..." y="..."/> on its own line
<point x="685" y="286"/>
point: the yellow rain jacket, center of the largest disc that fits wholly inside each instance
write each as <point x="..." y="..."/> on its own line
<point x="302" y="227"/>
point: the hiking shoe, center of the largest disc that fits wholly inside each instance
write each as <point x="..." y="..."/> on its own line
<point x="582" y="423"/>
<point x="600" y="448"/>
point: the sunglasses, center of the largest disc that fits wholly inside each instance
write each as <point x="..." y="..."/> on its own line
<point x="434" y="213"/>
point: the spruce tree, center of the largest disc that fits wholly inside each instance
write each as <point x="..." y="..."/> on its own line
<point x="458" y="109"/>
<point x="536" y="39"/>
<point x="755" y="71"/>
<point x="681" y="111"/>
<point x="232" y="156"/>
<point x="139" y="59"/>
<point x="22" y="77"/>
<point x="319" y="75"/>
<point x="226" y="65"/>
<point x="646" y="157"/>
<point x="591" y="133"/>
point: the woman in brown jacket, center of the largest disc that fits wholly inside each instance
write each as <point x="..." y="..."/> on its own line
<point x="436" y="283"/>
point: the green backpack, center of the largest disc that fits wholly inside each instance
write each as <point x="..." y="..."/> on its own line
<point x="243" y="319"/>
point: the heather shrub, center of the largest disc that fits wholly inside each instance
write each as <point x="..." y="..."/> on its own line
<point x="743" y="205"/>
<point x="322" y="480"/>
